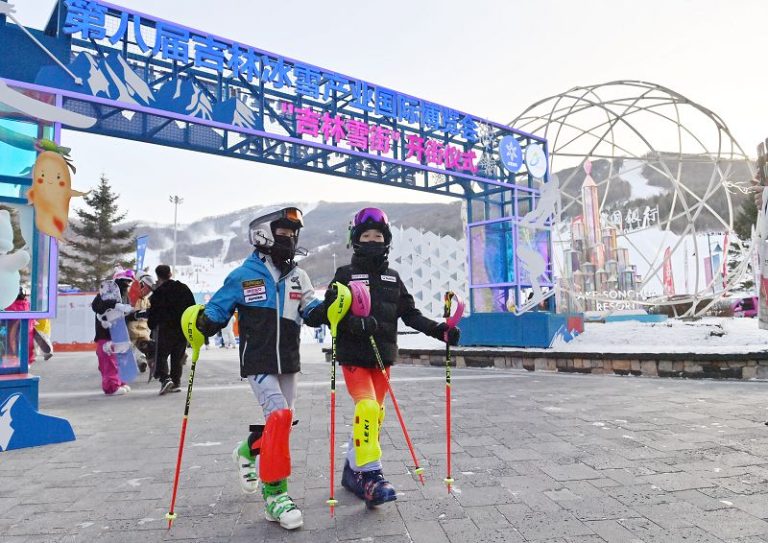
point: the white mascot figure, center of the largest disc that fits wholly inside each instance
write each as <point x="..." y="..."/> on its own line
<point x="10" y="264"/>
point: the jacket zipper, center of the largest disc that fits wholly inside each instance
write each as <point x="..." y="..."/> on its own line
<point x="242" y="357"/>
<point x="277" y="314"/>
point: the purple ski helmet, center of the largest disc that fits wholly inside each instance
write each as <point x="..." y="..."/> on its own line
<point x="370" y="218"/>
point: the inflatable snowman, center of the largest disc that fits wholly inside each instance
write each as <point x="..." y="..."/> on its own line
<point x="10" y="264"/>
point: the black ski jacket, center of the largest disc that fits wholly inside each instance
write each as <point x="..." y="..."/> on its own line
<point x="390" y="300"/>
<point x="166" y="305"/>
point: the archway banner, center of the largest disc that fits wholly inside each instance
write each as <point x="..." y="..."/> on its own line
<point x="258" y="105"/>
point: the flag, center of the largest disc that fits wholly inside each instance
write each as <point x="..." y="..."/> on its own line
<point x="725" y="261"/>
<point x="669" y="281"/>
<point x="141" y="249"/>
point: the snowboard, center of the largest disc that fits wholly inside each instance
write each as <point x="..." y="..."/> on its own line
<point x="120" y="345"/>
<point x="44" y="343"/>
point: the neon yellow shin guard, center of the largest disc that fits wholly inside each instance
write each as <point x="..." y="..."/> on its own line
<point x="365" y="432"/>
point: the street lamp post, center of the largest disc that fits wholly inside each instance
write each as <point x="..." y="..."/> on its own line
<point x="176" y="201"/>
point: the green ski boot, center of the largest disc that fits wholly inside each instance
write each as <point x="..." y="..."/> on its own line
<point x="279" y="507"/>
<point x="246" y="465"/>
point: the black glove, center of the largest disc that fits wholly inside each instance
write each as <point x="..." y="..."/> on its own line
<point x="206" y="326"/>
<point x="438" y="332"/>
<point x="361" y="326"/>
<point x="330" y="296"/>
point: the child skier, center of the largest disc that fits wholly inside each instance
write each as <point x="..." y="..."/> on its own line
<point x="370" y="237"/>
<point x="271" y="296"/>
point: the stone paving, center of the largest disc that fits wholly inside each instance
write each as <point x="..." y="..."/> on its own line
<point x="538" y="457"/>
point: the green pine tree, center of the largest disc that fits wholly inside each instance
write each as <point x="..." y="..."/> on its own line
<point x="745" y="219"/>
<point x="95" y="246"/>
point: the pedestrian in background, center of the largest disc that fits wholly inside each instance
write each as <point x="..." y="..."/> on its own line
<point x="138" y="329"/>
<point x="103" y="302"/>
<point x="166" y="305"/>
<point x="21" y="304"/>
<point x="42" y="336"/>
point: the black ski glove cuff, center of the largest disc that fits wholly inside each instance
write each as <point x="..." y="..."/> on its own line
<point x="330" y="296"/>
<point x="316" y="317"/>
<point x="206" y="326"/>
<point x="438" y="332"/>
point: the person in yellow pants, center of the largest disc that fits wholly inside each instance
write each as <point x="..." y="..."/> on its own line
<point x="42" y="335"/>
<point x="370" y="237"/>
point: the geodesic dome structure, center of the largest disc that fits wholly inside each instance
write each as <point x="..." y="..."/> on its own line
<point x="648" y="180"/>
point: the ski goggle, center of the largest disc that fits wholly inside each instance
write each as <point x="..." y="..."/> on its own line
<point x="372" y="214"/>
<point x="293" y="214"/>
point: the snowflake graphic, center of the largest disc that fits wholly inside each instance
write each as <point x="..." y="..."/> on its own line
<point x="487" y="163"/>
<point x="485" y="135"/>
<point x="436" y="178"/>
<point x="512" y="153"/>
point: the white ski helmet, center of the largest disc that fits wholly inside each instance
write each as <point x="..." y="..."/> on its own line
<point x="145" y="279"/>
<point x="261" y="230"/>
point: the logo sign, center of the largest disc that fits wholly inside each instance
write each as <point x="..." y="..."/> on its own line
<point x="511" y="154"/>
<point x="536" y="160"/>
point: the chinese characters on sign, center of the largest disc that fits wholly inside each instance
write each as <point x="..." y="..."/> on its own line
<point x="170" y="42"/>
<point x="364" y="136"/>
<point x="631" y="219"/>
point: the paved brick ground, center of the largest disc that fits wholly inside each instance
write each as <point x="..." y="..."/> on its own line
<point x="538" y="458"/>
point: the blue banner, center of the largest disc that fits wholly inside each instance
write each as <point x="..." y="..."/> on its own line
<point x="141" y="249"/>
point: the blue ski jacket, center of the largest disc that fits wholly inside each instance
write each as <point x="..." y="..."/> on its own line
<point x="270" y="312"/>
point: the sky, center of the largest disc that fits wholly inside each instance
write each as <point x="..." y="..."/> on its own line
<point x="489" y="58"/>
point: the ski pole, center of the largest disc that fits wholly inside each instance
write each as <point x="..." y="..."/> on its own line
<point x="419" y="470"/>
<point x="361" y="307"/>
<point x="154" y="356"/>
<point x="196" y="340"/>
<point x="451" y="321"/>
<point x="335" y="312"/>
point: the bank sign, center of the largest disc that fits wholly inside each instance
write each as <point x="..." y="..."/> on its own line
<point x="162" y="65"/>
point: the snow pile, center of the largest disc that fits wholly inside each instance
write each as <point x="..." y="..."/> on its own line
<point x="706" y="336"/>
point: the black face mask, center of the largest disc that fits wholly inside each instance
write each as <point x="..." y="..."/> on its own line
<point x="283" y="250"/>
<point x="370" y="249"/>
<point x="371" y="255"/>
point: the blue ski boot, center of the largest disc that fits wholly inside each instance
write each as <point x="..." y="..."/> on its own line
<point x="370" y="486"/>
